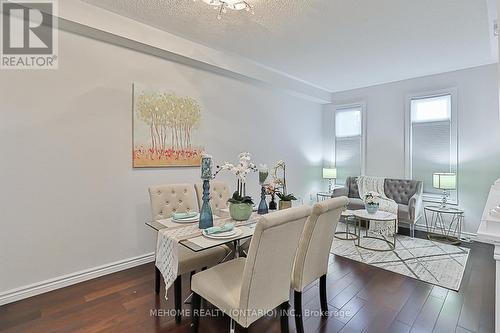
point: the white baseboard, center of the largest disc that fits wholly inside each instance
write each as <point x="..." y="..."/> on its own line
<point x="38" y="288"/>
<point x="465" y="234"/>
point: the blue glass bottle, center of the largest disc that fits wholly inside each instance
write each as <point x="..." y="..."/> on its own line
<point x="263" y="203"/>
<point x="206" y="217"/>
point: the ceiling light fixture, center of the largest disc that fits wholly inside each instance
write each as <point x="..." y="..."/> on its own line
<point x="222" y="5"/>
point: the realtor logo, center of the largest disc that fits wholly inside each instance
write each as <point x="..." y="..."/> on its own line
<point x="29" y="34"/>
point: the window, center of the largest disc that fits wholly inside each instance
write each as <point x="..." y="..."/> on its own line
<point x="432" y="139"/>
<point x="348" y="141"/>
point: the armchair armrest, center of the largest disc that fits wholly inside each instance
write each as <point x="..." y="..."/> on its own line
<point x="415" y="207"/>
<point x="341" y="192"/>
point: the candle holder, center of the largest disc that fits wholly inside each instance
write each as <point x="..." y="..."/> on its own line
<point x="206" y="217"/>
<point x="263" y="209"/>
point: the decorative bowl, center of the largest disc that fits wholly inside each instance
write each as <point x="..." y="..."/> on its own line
<point x="371" y="208"/>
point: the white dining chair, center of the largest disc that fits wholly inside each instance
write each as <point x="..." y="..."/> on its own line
<point x="247" y="288"/>
<point x="219" y="194"/>
<point x="313" y="252"/>
<point x="180" y="198"/>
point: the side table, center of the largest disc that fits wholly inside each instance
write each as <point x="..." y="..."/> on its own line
<point x="347" y="234"/>
<point x="379" y="216"/>
<point x="320" y="196"/>
<point x="448" y="221"/>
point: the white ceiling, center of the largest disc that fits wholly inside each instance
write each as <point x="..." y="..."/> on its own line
<point x="335" y="44"/>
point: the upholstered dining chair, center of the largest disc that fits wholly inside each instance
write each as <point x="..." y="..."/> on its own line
<point x="311" y="261"/>
<point x="247" y="288"/>
<point x="180" y="198"/>
<point x="219" y="194"/>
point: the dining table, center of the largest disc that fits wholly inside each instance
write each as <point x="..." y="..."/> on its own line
<point x="196" y="241"/>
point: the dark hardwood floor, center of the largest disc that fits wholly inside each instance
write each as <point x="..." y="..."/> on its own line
<point x="363" y="299"/>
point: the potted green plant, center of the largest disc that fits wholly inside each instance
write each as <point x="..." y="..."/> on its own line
<point x="240" y="207"/>
<point x="285" y="200"/>
<point x="371" y="202"/>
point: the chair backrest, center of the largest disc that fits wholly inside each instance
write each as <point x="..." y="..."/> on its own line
<point x="311" y="261"/>
<point x="351" y="183"/>
<point x="268" y="267"/>
<point x="401" y="190"/>
<point x="172" y="198"/>
<point x="219" y="194"/>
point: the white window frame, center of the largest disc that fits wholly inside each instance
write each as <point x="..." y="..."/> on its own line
<point x="354" y="105"/>
<point x="453" y="92"/>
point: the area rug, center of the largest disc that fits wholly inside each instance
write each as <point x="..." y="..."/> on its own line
<point x="433" y="262"/>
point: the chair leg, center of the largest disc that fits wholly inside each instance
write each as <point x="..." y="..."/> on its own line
<point x="178" y="299"/>
<point x="297" y="304"/>
<point x="284" y="317"/>
<point x="157" y="280"/>
<point x="195" y="312"/>
<point x="235" y="327"/>
<point x="322" y="296"/>
<point x="241" y="329"/>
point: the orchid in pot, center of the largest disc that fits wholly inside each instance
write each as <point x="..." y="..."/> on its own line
<point x="272" y="189"/>
<point x="371" y="202"/>
<point x="240" y="205"/>
<point x="286" y="200"/>
<point x="280" y="186"/>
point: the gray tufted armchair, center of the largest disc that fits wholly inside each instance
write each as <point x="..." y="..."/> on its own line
<point x="407" y="193"/>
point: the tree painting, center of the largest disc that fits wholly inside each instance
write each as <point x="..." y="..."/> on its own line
<point x="164" y="128"/>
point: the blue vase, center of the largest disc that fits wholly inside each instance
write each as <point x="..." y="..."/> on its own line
<point x="206" y="217"/>
<point x="263" y="204"/>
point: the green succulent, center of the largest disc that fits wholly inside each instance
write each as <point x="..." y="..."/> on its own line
<point x="286" y="197"/>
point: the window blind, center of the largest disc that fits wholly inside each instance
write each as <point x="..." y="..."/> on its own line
<point x="348" y="157"/>
<point x="348" y="136"/>
<point x="431" y="142"/>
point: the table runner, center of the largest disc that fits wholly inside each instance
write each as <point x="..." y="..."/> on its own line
<point x="167" y="245"/>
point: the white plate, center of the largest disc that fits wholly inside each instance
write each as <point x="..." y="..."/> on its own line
<point x="188" y="220"/>
<point x="225" y="235"/>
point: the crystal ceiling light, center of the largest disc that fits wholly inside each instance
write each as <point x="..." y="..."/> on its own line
<point x="222" y="5"/>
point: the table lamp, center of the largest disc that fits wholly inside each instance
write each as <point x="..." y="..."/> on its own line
<point x="331" y="175"/>
<point x="446" y="182"/>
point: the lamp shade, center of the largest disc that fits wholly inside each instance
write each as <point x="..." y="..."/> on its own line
<point x="444" y="181"/>
<point x="329" y="173"/>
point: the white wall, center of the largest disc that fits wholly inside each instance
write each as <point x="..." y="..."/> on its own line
<point x="478" y="130"/>
<point x="69" y="197"/>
